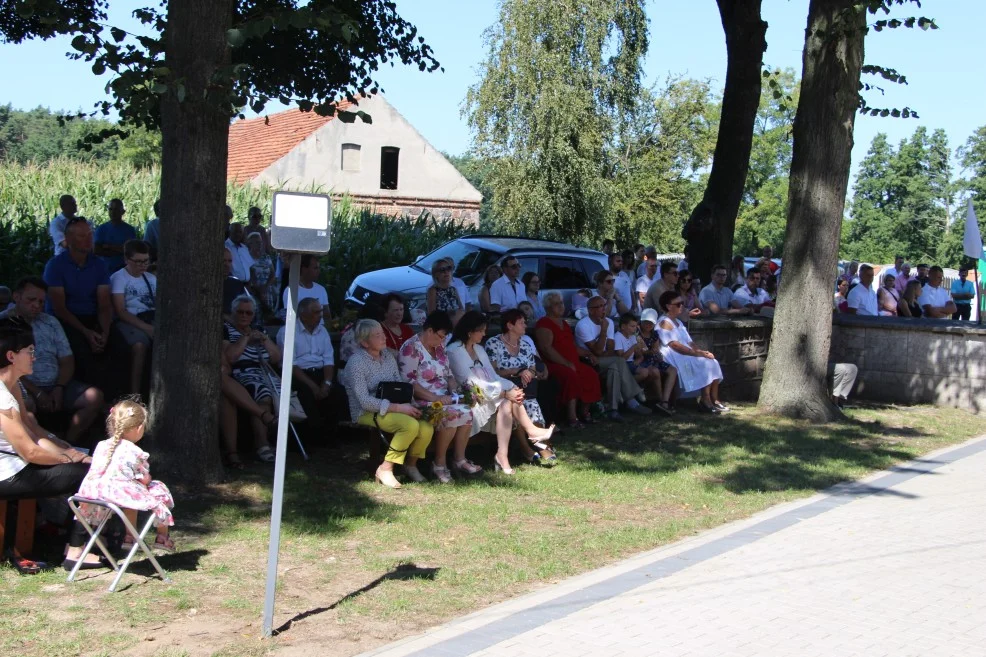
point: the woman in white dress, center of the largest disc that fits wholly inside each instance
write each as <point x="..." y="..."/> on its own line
<point x="697" y="369"/>
<point x="472" y="369"/>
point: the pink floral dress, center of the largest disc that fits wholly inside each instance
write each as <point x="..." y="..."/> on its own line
<point x="119" y="481"/>
<point x="433" y="374"/>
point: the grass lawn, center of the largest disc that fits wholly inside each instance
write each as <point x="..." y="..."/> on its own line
<point x="363" y="565"/>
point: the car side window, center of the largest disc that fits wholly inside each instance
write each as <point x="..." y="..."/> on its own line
<point x="591" y="267"/>
<point x="527" y="263"/>
<point x="563" y="274"/>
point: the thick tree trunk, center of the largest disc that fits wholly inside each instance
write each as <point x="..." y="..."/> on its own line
<point x="194" y="128"/>
<point x="794" y="382"/>
<point x="709" y="229"/>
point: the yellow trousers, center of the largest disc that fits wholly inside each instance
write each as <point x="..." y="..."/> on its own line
<point x="410" y="435"/>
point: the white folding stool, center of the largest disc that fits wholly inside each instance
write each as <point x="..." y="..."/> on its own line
<point x="94" y="539"/>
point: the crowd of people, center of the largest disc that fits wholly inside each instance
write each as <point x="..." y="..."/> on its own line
<point x="81" y="334"/>
<point x="903" y="293"/>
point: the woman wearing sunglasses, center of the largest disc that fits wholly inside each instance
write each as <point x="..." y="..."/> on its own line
<point x="442" y="294"/>
<point x="697" y="369"/>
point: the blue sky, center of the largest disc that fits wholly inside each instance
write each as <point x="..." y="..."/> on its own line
<point x="943" y="67"/>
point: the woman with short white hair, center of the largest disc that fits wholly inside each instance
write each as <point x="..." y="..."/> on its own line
<point x="372" y="364"/>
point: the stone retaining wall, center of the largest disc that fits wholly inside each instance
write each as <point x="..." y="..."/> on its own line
<point x="914" y="360"/>
<point x="900" y="360"/>
<point x="740" y="346"/>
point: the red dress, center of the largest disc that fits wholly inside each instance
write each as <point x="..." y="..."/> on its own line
<point x="395" y="341"/>
<point x="582" y="383"/>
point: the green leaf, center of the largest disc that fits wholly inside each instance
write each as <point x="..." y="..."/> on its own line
<point x="235" y="38"/>
<point x="98" y="67"/>
<point x="159" y="88"/>
<point x="118" y="34"/>
<point x="80" y="43"/>
<point x="180" y="92"/>
<point x="25" y="10"/>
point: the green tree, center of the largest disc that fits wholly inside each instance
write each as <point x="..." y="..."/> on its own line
<point x="710" y="226"/>
<point x="972" y="158"/>
<point x="872" y="226"/>
<point x="794" y="382"/>
<point x="200" y="61"/>
<point x="558" y="79"/>
<point x="794" y="379"/>
<point x="477" y="170"/>
<point x="667" y="141"/>
<point x="38" y="136"/>
<point x="903" y="200"/>
<point x="763" y="212"/>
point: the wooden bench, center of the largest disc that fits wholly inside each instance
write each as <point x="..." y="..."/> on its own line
<point x="24" y="527"/>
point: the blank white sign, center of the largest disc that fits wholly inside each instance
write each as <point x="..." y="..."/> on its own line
<point x="301" y="211"/>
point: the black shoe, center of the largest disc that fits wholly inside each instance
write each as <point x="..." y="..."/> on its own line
<point x="69" y="564"/>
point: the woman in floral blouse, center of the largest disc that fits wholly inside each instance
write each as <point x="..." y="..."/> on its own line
<point x="514" y="356"/>
<point x="424" y="364"/>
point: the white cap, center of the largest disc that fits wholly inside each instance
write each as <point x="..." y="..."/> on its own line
<point x="649" y="315"/>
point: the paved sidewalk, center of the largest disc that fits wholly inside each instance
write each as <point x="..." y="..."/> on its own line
<point x="891" y="565"/>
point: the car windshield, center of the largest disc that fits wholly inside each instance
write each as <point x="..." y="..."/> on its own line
<point x="470" y="260"/>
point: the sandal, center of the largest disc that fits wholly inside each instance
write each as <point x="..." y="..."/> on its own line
<point x="664" y="407"/>
<point x="167" y="545"/>
<point x="266" y="455"/>
<point x="233" y="462"/>
<point x="26" y="566"/>
<point x="576" y="425"/>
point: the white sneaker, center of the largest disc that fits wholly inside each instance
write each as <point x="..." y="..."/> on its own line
<point x="414" y="474"/>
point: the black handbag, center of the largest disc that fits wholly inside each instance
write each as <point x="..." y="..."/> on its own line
<point x="396" y="392"/>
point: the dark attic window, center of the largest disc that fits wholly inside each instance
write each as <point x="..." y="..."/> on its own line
<point x="388" y="167"/>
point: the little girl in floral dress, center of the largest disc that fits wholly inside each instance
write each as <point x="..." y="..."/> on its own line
<point x="120" y="474"/>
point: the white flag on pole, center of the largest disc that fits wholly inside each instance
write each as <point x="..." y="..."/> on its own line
<point x="972" y="243"/>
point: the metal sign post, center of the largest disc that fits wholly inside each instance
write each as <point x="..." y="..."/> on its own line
<point x="287" y="358"/>
<point x="299" y="223"/>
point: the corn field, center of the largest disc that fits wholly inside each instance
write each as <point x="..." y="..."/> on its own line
<point x="361" y="240"/>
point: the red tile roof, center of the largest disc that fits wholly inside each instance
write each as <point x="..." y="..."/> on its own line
<point x="255" y="144"/>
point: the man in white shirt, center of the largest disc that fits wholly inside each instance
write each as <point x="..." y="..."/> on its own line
<point x="242" y="260"/>
<point x="935" y="300"/>
<point x="594" y="341"/>
<point x="893" y="271"/>
<point x="623" y="286"/>
<point x="683" y="263"/>
<point x="645" y="280"/>
<point x="314" y="363"/>
<point x="68" y="207"/>
<point x="507" y="291"/>
<point x="751" y="295"/>
<point x="862" y="298"/>
<point x="667" y="281"/>
<point x="307" y="287"/>
<point x="716" y="297"/>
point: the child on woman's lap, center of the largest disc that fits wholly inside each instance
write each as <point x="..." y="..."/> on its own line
<point x="120" y="474"/>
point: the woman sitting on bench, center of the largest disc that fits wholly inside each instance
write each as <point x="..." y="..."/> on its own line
<point x="33" y="463"/>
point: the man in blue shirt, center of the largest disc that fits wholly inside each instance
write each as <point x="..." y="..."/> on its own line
<point x="111" y="236"/>
<point x="79" y="297"/>
<point x="963" y="292"/>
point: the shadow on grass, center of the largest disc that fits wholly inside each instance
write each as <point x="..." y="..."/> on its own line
<point x="403" y="572"/>
<point x="758" y="454"/>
